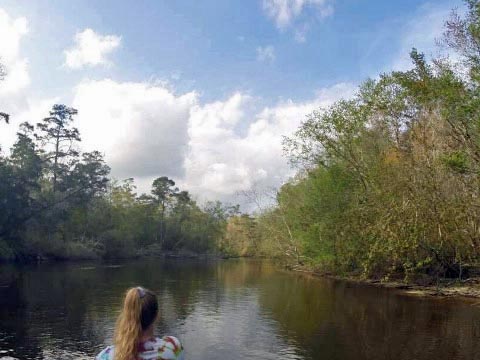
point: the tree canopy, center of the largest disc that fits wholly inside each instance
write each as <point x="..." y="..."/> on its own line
<point x="59" y="202"/>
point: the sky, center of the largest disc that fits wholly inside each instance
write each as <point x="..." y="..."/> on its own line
<point x="201" y="91"/>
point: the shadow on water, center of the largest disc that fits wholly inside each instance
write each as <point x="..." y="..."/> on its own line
<point x="228" y="310"/>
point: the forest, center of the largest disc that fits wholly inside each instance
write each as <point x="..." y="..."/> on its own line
<point x="387" y="184"/>
<point x="59" y="203"/>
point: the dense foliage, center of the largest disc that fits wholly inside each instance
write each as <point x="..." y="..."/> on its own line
<point x="390" y="180"/>
<point x="56" y="202"/>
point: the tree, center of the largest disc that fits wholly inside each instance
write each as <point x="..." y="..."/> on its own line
<point x="10" y="202"/>
<point x="19" y="178"/>
<point x="163" y="191"/>
<point x="56" y="131"/>
<point x="240" y="237"/>
<point x="89" y="176"/>
<point x="182" y="203"/>
<point x="26" y="161"/>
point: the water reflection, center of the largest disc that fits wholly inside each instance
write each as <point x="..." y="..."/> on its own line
<point x="228" y="310"/>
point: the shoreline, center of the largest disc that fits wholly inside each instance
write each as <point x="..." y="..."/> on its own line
<point x="447" y="288"/>
<point x="467" y="289"/>
<point x="27" y="260"/>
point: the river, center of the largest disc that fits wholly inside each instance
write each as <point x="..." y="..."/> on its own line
<point x="235" y="309"/>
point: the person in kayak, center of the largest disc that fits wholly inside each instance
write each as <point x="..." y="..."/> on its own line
<point x="134" y="333"/>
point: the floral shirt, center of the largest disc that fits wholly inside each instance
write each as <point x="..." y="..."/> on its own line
<point x="166" y="348"/>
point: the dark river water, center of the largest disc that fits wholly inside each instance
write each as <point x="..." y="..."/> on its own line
<point x="229" y="310"/>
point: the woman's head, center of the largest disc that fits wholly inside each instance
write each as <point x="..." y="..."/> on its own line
<point x="139" y="312"/>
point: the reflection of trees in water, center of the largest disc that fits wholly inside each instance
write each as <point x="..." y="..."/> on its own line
<point x="186" y="285"/>
<point x="14" y="328"/>
<point x="303" y="308"/>
<point x="56" y="309"/>
<point x="336" y="320"/>
<point x="73" y="307"/>
<point x="386" y="325"/>
<point x="51" y="310"/>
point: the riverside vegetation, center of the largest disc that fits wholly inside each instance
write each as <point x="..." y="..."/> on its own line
<point x="388" y="184"/>
<point x="389" y="181"/>
<point x="59" y="203"/>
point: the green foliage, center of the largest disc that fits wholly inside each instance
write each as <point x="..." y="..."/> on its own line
<point x="58" y="136"/>
<point x="59" y="203"/>
<point x="391" y="186"/>
<point x="240" y="237"/>
<point x="457" y="161"/>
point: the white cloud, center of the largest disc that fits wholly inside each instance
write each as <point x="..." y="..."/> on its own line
<point x="14" y="98"/>
<point x="11" y="33"/>
<point x="142" y="128"/>
<point x="220" y="162"/>
<point x="266" y="54"/>
<point x="148" y="131"/>
<point x="91" y="49"/>
<point x="284" y="12"/>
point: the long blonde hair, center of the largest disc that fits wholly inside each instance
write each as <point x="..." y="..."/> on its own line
<point x="140" y="310"/>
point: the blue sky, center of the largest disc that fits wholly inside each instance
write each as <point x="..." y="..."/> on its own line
<point x="218" y="76"/>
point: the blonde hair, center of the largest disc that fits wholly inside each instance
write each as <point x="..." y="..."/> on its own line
<point x="140" y="309"/>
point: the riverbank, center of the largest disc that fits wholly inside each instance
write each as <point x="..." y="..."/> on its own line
<point x="467" y="288"/>
<point x="182" y="254"/>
